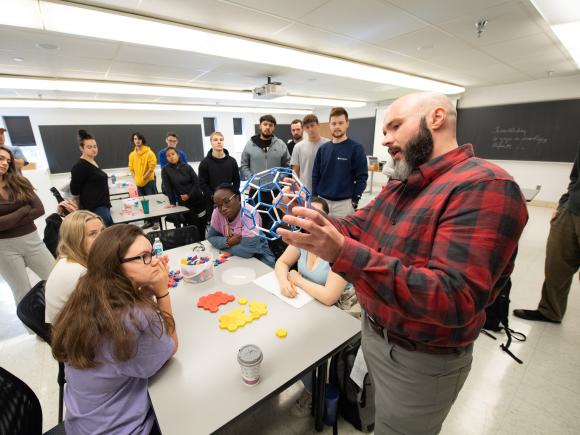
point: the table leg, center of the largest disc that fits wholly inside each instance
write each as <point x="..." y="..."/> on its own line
<point x="319" y="403"/>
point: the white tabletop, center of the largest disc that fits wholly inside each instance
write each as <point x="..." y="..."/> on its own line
<point x="157" y="208"/>
<point x="200" y="389"/>
<point x="530" y="194"/>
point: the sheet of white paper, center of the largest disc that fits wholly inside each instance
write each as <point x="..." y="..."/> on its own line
<point x="270" y="283"/>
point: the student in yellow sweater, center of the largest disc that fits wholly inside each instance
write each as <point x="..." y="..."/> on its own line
<point x="142" y="162"/>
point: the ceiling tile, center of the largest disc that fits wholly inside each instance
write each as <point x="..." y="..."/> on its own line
<point x="313" y="39"/>
<point x="425" y="44"/>
<point x="23" y="43"/>
<point x="283" y="8"/>
<point x="160" y="56"/>
<point x="215" y="15"/>
<point x="539" y="45"/>
<point x="375" y="20"/>
<point x="504" y="23"/>
<point x="444" y="10"/>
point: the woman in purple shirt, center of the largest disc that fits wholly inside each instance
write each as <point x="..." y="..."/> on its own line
<point x="113" y="334"/>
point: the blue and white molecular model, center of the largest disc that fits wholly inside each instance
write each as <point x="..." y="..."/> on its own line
<point x="264" y="195"/>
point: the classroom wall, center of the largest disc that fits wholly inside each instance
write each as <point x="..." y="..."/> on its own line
<point x="224" y="123"/>
<point x="552" y="176"/>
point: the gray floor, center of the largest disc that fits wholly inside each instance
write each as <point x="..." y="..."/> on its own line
<point x="500" y="396"/>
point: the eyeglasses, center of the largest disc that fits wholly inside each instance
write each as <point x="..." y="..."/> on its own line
<point x="145" y="257"/>
<point x="225" y="203"/>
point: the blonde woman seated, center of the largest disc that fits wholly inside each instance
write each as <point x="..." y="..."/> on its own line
<point x="314" y="275"/>
<point x="77" y="233"/>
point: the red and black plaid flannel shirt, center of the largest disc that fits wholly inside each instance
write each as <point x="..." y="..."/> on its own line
<point x="426" y="256"/>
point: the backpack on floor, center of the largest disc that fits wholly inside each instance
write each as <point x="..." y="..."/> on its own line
<point x="355" y="405"/>
<point x="497" y="320"/>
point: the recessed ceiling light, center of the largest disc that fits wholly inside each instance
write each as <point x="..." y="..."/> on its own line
<point x="18" y="59"/>
<point x="47" y="46"/>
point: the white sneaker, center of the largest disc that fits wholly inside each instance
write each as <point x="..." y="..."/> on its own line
<point x="302" y="407"/>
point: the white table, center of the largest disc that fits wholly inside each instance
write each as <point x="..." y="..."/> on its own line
<point x="530" y="194"/>
<point x="157" y="209"/>
<point x="200" y="389"/>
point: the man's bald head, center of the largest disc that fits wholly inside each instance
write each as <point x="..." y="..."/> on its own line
<point x="423" y="103"/>
<point x="419" y="127"/>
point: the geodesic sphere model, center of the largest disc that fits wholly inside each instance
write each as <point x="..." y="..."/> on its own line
<point x="266" y="197"/>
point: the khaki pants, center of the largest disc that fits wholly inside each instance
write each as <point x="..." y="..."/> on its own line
<point x="414" y="391"/>
<point x="340" y="208"/>
<point x="562" y="262"/>
<point x="18" y="253"/>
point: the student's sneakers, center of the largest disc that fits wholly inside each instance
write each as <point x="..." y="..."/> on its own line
<point x="155" y="227"/>
<point x="303" y="405"/>
<point x="147" y="224"/>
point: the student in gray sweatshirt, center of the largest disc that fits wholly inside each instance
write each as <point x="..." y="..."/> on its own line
<point x="264" y="151"/>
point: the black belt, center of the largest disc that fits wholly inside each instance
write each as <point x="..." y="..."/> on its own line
<point x="410" y="345"/>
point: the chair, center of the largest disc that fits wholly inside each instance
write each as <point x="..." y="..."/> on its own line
<point x="20" y="410"/>
<point x="176" y="237"/>
<point x="31" y="311"/>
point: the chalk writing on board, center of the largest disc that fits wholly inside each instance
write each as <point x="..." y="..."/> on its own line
<point x="514" y="138"/>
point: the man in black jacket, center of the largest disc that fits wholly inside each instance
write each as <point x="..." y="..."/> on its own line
<point x="218" y="167"/>
<point x="562" y="255"/>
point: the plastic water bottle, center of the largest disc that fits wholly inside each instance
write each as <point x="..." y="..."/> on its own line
<point x="113" y="179"/>
<point x="158" y="247"/>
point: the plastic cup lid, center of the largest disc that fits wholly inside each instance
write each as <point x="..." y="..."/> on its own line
<point x="250" y="355"/>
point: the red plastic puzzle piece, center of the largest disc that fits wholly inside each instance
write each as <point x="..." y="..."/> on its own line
<point x="212" y="301"/>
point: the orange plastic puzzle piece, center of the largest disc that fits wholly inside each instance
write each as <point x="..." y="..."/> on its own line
<point x="212" y="301"/>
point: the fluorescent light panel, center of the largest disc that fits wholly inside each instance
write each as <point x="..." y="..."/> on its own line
<point x="569" y="35"/>
<point x="90" y="22"/>
<point x="165" y="91"/>
<point x="564" y="19"/>
<point x="111" y="105"/>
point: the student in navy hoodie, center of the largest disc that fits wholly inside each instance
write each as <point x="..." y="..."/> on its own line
<point x="340" y="169"/>
<point x="182" y="188"/>
<point x="217" y="168"/>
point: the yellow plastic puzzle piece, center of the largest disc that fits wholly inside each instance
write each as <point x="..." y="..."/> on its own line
<point x="242" y="301"/>
<point x="238" y="317"/>
<point x="281" y="332"/>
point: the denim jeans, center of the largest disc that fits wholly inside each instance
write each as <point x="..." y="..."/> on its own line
<point x="105" y="214"/>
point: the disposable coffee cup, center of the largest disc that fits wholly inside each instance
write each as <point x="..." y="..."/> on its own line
<point x="145" y="205"/>
<point x="250" y="357"/>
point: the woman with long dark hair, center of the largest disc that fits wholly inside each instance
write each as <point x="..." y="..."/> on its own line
<point x="89" y="182"/>
<point x="20" y="245"/>
<point x="114" y="333"/>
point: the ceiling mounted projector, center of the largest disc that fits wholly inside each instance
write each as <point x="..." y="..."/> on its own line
<point x="270" y="90"/>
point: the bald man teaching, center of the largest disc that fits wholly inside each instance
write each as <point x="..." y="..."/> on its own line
<point x="426" y="257"/>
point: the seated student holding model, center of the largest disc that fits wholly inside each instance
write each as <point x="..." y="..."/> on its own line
<point x="228" y="233"/>
<point x="77" y="233"/>
<point x="314" y="277"/>
<point x="113" y="334"/>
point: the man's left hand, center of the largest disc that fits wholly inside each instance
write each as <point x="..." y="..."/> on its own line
<point x="320" y="237"/>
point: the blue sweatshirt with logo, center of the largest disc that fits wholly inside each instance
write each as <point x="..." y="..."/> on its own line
<point x="340" y="171"/>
